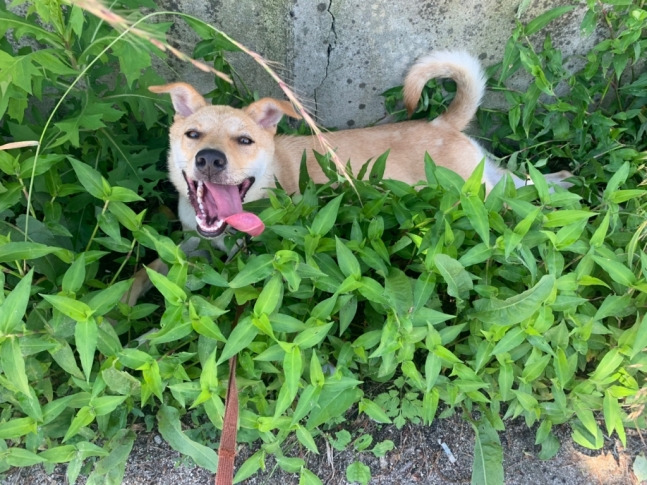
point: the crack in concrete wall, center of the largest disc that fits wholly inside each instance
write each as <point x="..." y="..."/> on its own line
<point x="340" y="55"/>
<point x="330" y="47"/>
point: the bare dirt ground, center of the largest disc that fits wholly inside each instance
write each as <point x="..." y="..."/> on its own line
<point x="417" y="458"/>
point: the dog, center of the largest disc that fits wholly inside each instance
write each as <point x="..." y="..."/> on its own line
<point x="220" y="156"/>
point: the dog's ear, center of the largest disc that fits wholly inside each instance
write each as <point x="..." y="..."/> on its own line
<point x="267" y="112"/>
<point x="186" y="100"/>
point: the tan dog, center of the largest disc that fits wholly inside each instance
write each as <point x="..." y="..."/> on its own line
<point x="220" y="156"/>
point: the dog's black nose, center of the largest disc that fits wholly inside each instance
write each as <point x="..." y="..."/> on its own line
<point x="210" y="159"/>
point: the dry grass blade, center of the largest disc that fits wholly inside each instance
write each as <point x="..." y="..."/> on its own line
<point x="18" y="144"/>
<point x="120" y="23"/>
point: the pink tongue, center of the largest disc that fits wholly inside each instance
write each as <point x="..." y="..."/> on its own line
<point x="230" y="209"/>
<point x="246" y="222"/>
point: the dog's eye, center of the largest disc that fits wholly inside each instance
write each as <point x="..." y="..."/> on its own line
<point x="193" y="134"/>
<point x="244" y="140"/>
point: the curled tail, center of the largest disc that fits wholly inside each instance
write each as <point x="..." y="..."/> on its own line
<point x="463" y="68"/>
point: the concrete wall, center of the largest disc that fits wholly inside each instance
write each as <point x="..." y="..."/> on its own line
<point x="340" y="55"/>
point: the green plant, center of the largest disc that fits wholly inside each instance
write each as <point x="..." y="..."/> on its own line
<point x="528" y="303"/>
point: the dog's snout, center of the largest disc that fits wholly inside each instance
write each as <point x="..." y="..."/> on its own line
<point x="210" y="159"/>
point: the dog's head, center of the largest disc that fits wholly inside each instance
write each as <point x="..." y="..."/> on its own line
<point x="218" y="154"/>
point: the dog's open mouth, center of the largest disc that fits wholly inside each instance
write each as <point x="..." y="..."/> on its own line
<point x="217" y="206"/>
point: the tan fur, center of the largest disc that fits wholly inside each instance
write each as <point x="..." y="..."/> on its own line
<point x="271" y="157"/>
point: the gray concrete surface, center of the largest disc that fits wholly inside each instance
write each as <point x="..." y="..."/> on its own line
<point x="339" y="55"/>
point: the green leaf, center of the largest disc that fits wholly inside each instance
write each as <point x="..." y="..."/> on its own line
<point x="608" y="365"/>
<point x="378" y="168"/>
<point x="250" y="466"/>
<point x="83" y="417"/>
<point x="544" y="19"/>
<point x="597" y="239"/>
<point x="373" y="411"/>
<point x="74" y="276"/>
<point x="477" y="215"/>
<point x="107" y="299"/>
<point x="126" y="216"/>
<point x="306" y="477"/>
<point x="13" y="365"/>
<point x="511" y="340"/>
<point x="348" y="263"/>
<point x="123" y="194"/>
<point x="326" y="217"/>
<point x="15" y="428"/>
<point x="399" y="291"/>
<point x="170" y="428"/>
<point x="549" y="447"/>
<point x="152" y="381"/>
<point x="70" y="131"/>
<point x="110" y="468"/>
<point x="488" y="455"/>
<point x="445" y="354"/>
<point x="516" y="308"/>
<point x="534" y="368"/>
<point x="257" y="268"/>
<point x="270" y="297"/>
<point x="317" y="377"/>
<point x="586" y="417"/>
<point x="91" y="180"/>
<point x="382" y="448"/>
<point x="76" y="310"/>
<point x="613" y="306"/>
<point x="618" y="178"/>
<point x="616" y="270"/>
<point x="613" y="416"/>
<point x="59" y="454"/>
<point x="563" y="368"/>
<point x="472" y="186"/>
<point x="18" y="70"/>
<point x="307" y="401"/>
<point x="121" y="382"/>
<point x="621" y="196"/>
<point x="14" y="306"/>
<point x="134" y="359"/>
<point x="85" y="337"/>
<point x="171" y="292"/>
<point x="342" y="440"/>
<point x="106" y="404"/>
<point x="21" y="457"/>
<point x="207" y="327"/>
<point x="290" y="465"/>
<point x="292" y="368"/>
<point x="174" y="330"/>
<point x="132" y="59"/>
<point x="410" y="371"/>
<point x="459" y="282"/>
<point x="335" y="399"/>
<point x="241" y="336"/>
<point x="305" y="438"/>
<point x="14" y="251"/>
<point x="640" y="342"/>
<point x="311" y="336"/>
<point x="565" y="217"/>
<point x="358" y="472"/>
